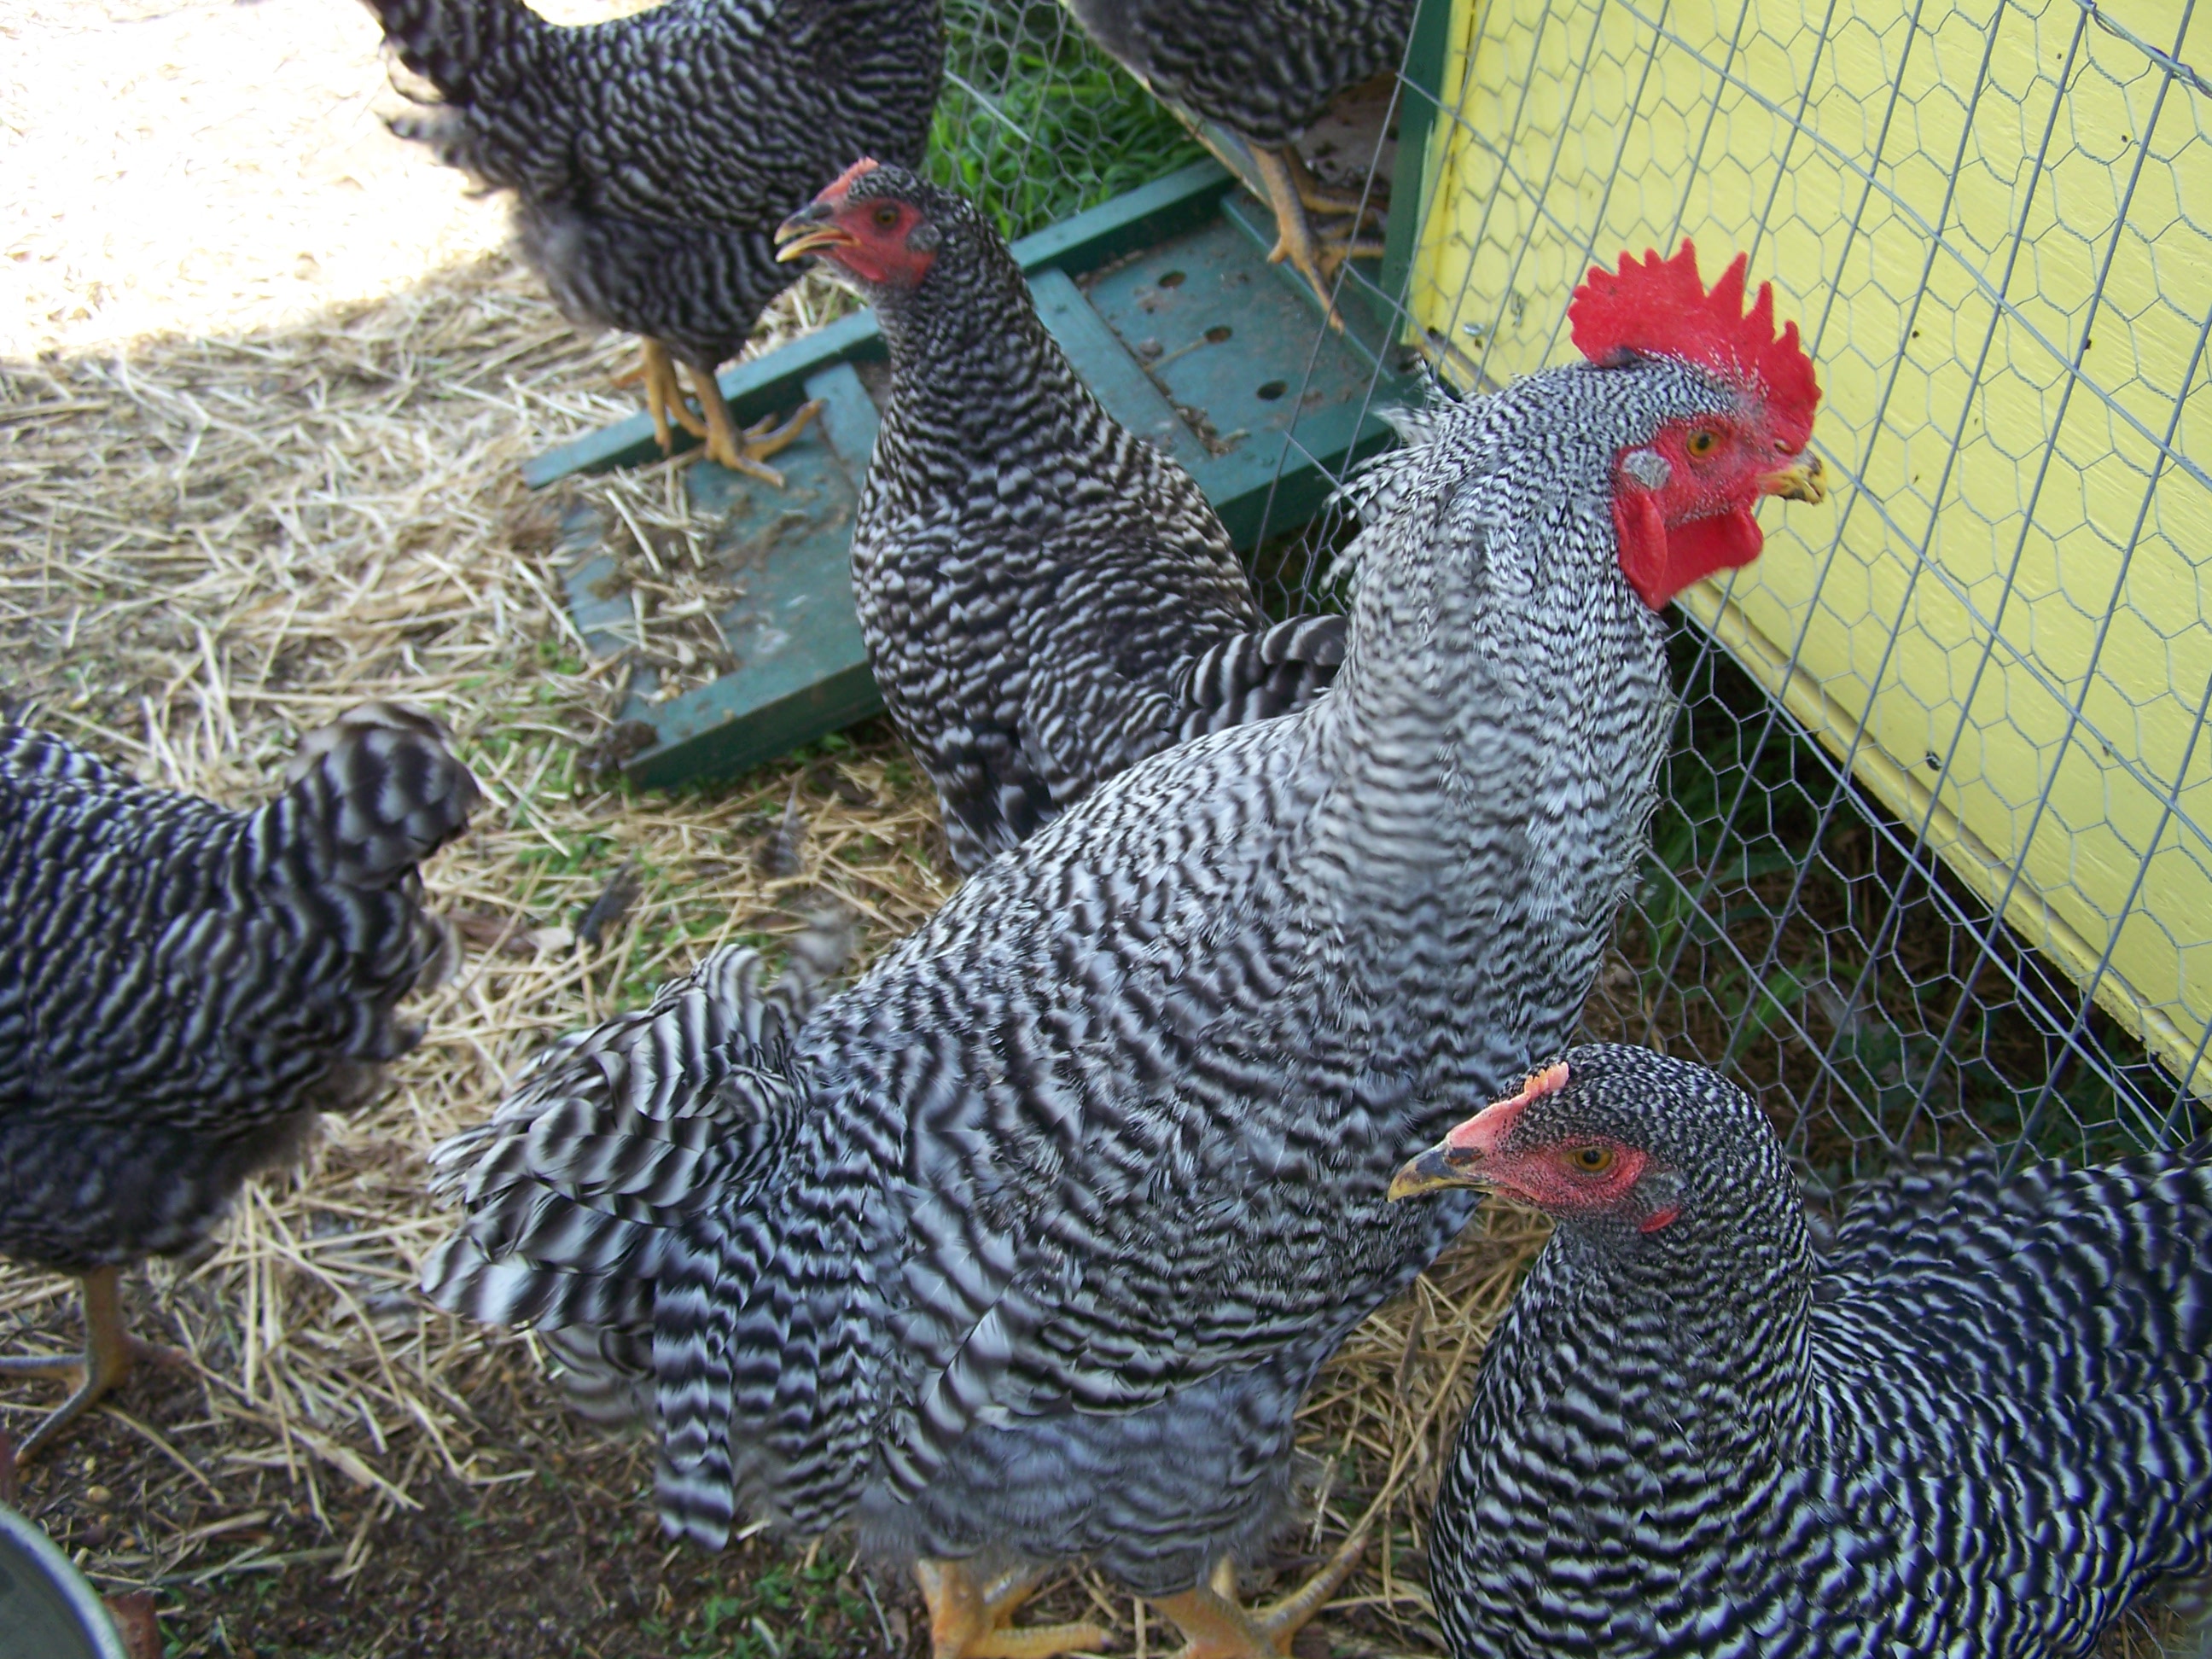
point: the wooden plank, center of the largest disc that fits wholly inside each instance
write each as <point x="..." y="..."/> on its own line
<point x="1191" y="339"/>
<point x="770" y="384"/>
<point x="804" y="668"/>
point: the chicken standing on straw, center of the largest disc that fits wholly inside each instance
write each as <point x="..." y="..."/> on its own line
<point x="1045" y="598"/>
<point x="1979" y="1424"/>
<point x="183" y="988"/>
<point x="1266" y="70"/>
<point x="1025" y="1246"/>
<point x="653" y="156"/>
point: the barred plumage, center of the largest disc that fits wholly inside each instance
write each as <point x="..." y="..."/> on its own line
<point x="1977" y="1425"/>
<point x="1066" y="1200"/>
<point x="1047" y="598"/>
<point x="652" y="156"/>
<point x="1266" y="70"/>
<point x="182" y="987"/>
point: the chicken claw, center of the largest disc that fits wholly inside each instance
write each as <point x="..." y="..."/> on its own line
<point x="969" y="1621"/>
<point x="1218" y="1628"/>
<point x="1290" y="190"/>
<point x="109" y="1352"/>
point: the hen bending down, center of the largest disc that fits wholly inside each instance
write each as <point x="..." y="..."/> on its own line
<point x="651" y="157"/>
<point x="1025" y="1246"/>
<point x="1267" y="72"/>
<point x="1045" y="598"/>
<point x="1979" y="1424"/>
<point x="183" y="988"/>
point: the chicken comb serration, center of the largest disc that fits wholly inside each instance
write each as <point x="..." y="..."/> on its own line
<point x="1659" y="308"/>
<point x="844" y="181"/>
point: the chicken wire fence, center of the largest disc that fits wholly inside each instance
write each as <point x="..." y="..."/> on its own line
<point x="1933" y="864"/>
<point x="1034" y="123"/>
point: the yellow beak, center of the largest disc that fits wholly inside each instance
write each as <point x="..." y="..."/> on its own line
<point x="1434" y="1171"/>
<point x="802" y="233"/>
<point x="1800" y="483"/>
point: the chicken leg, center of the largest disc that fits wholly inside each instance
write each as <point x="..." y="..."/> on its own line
<point x="969" y="1621"/>
<point x="741" y="450"/>
<point x="109" y="1352"/>
<point x="1218" y="1628"/>
<point x="1290" y="190"/>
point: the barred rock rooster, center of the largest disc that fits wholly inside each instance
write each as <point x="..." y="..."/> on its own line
<point x="1979" y="1424"/>
<point x="1045" y="598"/>
<point x="652" y="156"/>
<point x="183" y="989"/>
<point x="1267" y="72"/>
<point x="1024" y="1247"/>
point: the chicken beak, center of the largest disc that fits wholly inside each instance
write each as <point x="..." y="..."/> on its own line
<point x="810" y="228"/>
<point x="1800" y="483"/>
<point x="1442" y="1165"/>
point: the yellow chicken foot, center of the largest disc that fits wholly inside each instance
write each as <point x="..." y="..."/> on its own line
<point x="1320" y="198"/>
<point x="664" y="396"/>
<point x="1314" y="258"/>
<point x="109" y="1352"/>
<point x="1218" y="1628"/>
<point x="747" y="451"/>
<point x="968" y="1619"/>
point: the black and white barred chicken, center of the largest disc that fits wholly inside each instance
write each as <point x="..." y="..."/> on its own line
<point x="1978" y="1423"/>
<point x="1045" y="598"/>
<point x="183" y="988"/>
<point x="1266" y="70"/>
<point x="1024" y="1247"/>
<point x="653" y="156"/>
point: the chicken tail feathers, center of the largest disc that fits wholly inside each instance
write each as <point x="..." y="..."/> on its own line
<point x="577" y="1196"/>
<point x="374" y="794"/>
<point x="1257" y="676"/>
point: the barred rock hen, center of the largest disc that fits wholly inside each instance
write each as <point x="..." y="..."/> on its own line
<point x="1026" y="1246"/>
<point x="652" y="156"/>
<point x="1045" y="598"/>
<point x="184" y="987"/>
<point x="1267" y="72"/>
<point x="1979" y="1424"/>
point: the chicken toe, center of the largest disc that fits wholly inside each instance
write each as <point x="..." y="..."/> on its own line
<point x="747" y="450"/>
<point x="971" y="1619"/>
<point x="1218" y="1628"/>
<point x="1314" y="256"/>
<point x="110" y="1352"/>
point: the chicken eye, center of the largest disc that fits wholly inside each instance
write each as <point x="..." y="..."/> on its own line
<point x="1703" y="442"/>
<point x="1592" y="1160"/>
<point x="887" y="215"/>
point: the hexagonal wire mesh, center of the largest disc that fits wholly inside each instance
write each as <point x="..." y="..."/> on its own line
<point x="1934" y="865"/>
<point x="1036" y="123"/>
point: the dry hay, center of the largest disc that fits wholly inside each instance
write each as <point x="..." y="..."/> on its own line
<point x="209" y="545"/>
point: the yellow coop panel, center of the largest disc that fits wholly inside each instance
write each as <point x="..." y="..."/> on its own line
<point x="1994" y="225"/>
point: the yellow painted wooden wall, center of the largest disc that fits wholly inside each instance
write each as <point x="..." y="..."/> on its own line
<point x="1994" y="226"/>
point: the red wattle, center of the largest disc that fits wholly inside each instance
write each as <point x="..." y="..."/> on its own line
<point x="1660" y="561"/>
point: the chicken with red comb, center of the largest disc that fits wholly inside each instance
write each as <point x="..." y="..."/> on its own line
<point x="1024" y="1248"/>
<point x="1683" y="501"/>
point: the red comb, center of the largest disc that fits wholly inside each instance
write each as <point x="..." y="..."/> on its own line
<point x="1659" y="308"/>
<point x="845" y="180"/>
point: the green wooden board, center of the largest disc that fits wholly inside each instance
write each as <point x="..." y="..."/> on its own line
<point x="1186" y="333"/>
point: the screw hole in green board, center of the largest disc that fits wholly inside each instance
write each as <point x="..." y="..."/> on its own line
<point x="1171" y="279"/>
<point x="1272" y="390"/>
<point x="1218" y="333"/>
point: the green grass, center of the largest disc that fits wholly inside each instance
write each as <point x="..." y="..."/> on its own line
<point x="1036" y="124"/>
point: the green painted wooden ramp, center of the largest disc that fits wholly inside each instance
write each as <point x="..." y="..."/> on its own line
<point x="1165" y="301"/>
